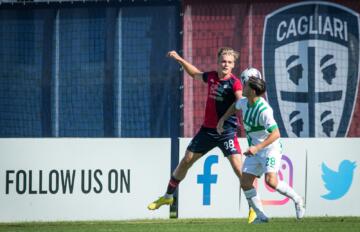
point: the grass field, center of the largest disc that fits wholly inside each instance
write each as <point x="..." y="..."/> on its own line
<point x="325" y="224"/>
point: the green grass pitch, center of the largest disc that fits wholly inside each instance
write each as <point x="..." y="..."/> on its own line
<point x="325" y="224"/>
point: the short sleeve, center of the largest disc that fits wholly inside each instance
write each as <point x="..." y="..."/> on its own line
<point x="237" y="85"/>
<point x="239" y="105"/>
<point x="267" y="120"/>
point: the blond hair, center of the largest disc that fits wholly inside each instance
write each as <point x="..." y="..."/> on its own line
<point x="227" y="51"/>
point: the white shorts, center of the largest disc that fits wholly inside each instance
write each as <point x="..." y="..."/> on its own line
<point x="267" y="160"/>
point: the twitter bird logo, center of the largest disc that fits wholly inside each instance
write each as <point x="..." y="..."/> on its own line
<point x="338" y="183"/>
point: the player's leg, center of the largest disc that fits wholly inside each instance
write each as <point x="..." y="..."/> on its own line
<point x="229" y="145"/>
<point x="236" y="164"/>
<point x="252" y="169"/>
<point x="271" y="178"/>
<point x="283" y="188"/>
<point x="180" y="172"/>
<point x="199" y="145"/>
<point x="177" y="176"/>
<point x="252" y="197"/>
<point x="185" y="164"/>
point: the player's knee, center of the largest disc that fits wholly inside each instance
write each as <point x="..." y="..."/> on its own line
<point x="238" y="173"/>
<point x="185" y="163"/>
<point x="271" y="181"/>
<point x="246" y="184"/>
<point x="237" y="169"/>
<point x="236" y="164"/>
<point x="188" y="160"/>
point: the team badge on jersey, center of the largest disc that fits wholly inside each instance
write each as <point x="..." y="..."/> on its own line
<point x="311" y="67"/>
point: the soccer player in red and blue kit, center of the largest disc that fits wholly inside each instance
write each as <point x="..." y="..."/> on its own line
<point x="223" y="90"/>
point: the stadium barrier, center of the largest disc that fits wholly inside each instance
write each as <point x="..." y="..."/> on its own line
<point x="115" y="179"/>
<point x="211" y="189"/>
<point x="82" y="179"/>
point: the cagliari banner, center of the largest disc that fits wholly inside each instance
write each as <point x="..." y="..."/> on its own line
<point x="307" y="51"/>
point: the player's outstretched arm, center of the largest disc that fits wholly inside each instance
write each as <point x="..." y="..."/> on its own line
<point x="228" y="113"/>
<point x="189" y="68"/>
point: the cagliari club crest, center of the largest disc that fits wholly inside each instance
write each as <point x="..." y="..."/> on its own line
<point x="311" y="66"/>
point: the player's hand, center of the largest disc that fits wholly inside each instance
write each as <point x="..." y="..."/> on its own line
<point x="174" y="55"/>
<point x="251" y="151"/>
<point x="220" y="126"/>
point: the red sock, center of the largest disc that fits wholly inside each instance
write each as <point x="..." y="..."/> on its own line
<point x="173" y="183"/>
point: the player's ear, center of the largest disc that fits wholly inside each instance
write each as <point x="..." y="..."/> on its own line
<point x="253" y="91"/>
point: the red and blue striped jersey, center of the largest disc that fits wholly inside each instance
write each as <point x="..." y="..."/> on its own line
<point x="221" y="95"/>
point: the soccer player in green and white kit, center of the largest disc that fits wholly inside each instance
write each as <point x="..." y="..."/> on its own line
<point x="264" y="153"/>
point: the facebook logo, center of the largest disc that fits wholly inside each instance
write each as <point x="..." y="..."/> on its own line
<point x="206" y="179"/>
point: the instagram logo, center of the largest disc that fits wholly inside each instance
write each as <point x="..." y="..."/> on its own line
<point x="286" y="174"/>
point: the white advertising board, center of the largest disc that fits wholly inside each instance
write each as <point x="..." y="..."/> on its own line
<point x="326" y="192"/>
<point x="82" y="179"/>
<point x="111" y="179"/>
<point x="210" y="189"/>
<point x="333" y="177"/>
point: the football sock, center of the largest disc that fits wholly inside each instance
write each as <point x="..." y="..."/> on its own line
<point x="173" y="183"/>
<point x="286" y="190"/>
<point x="254" y="201"/>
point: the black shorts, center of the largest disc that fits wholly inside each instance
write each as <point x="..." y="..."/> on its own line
<point x="208" y="138"/>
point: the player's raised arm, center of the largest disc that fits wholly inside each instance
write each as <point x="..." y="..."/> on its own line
<point x="189" y="68"/>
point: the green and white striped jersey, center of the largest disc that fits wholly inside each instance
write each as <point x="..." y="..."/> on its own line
<point x="258" y="121"/>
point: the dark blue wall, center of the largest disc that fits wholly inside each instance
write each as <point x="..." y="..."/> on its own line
<point x="88" y="70"/>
